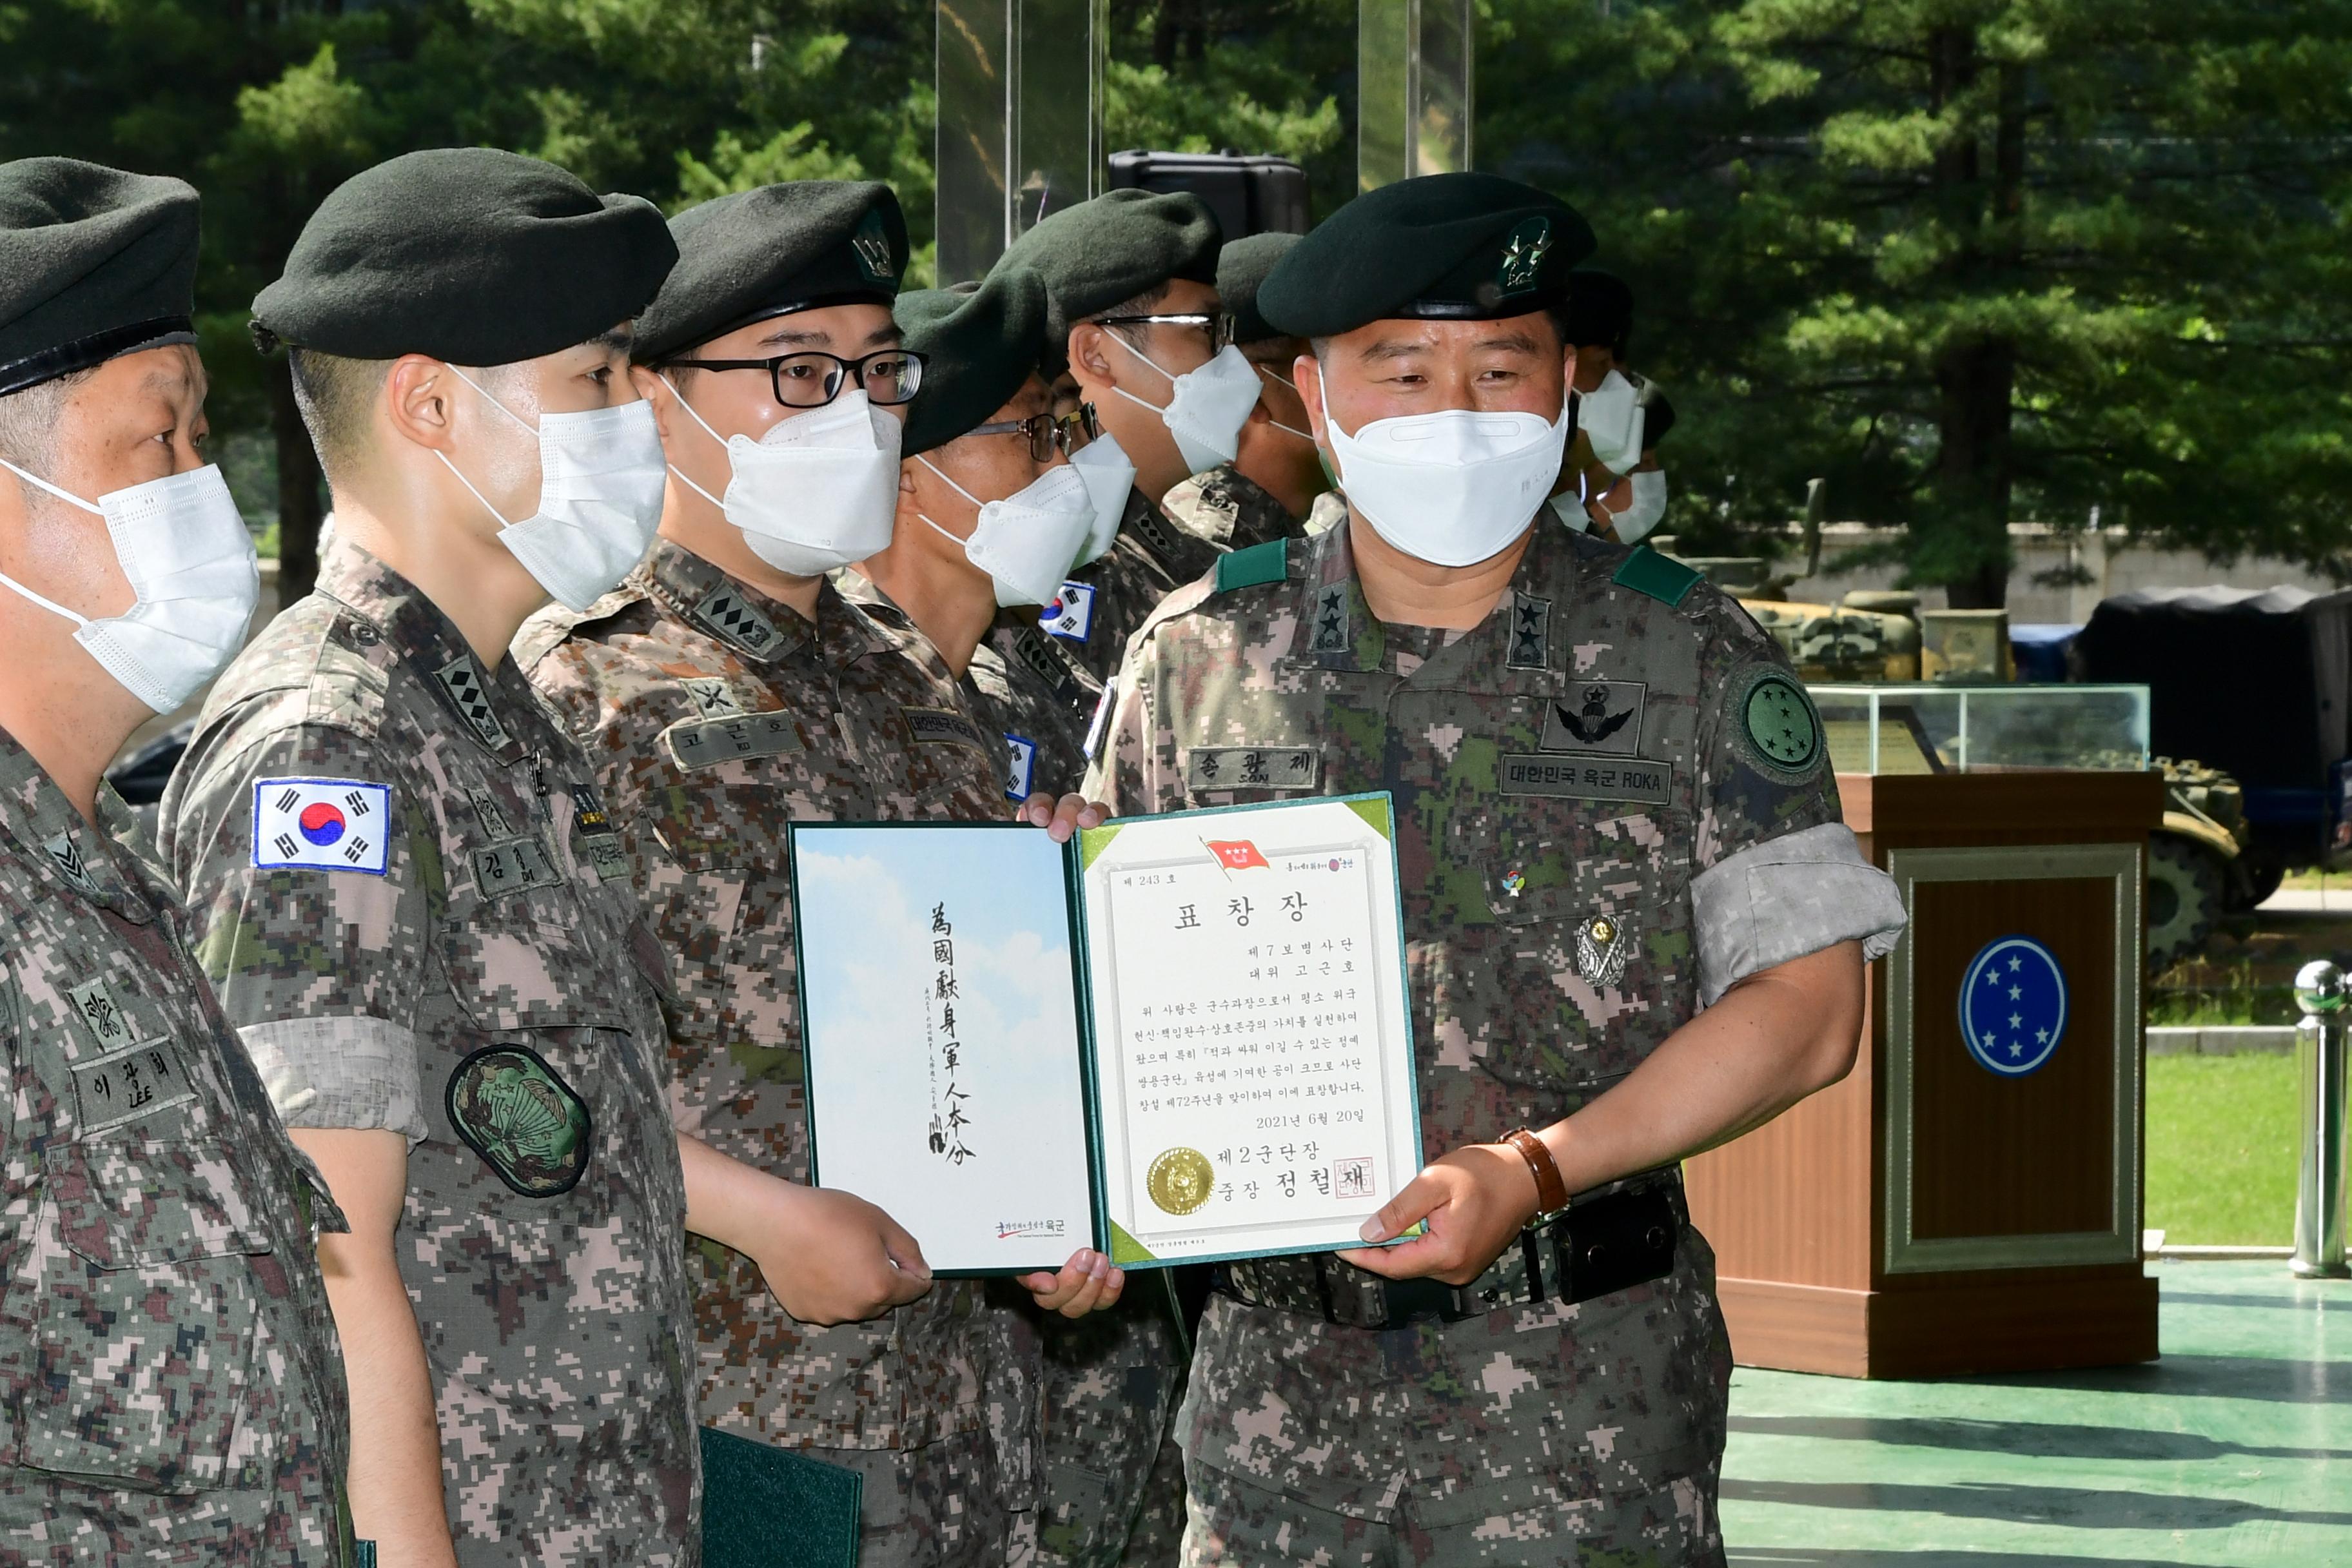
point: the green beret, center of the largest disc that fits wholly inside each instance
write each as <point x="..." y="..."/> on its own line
<point x="466" y="254"/>
<point x="93" y="263"/>
<point x="1600" y="309"/>
<point x="1242" y="267"/>
<point x="1449" y="248"/>
<point x="755" y="254"/>
<point x="1102" y="253"/>
<point x="979" y="346"/>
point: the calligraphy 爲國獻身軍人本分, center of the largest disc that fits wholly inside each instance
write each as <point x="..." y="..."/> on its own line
<point x="950" y="1118"/>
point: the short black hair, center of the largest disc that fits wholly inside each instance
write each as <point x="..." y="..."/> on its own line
<point x="336" y="396"/>
<point x="29" y="419"/>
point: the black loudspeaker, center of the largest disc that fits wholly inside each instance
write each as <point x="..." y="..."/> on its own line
<point x="1249" y="192"/>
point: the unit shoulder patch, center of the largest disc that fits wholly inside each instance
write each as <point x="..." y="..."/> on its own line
<point x="1774" y="726"/>
<point x="1267" y="563"/>
<point x="1647" y="571"/>
<point x="322" y="825"/>
<point x="522" y="1119"/>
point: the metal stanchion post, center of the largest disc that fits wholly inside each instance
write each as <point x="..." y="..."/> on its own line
<point x="2319" y="1062"/>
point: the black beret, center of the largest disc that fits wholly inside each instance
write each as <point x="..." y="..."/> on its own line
<point x="93" y="263"/>
<point x="1123" y="243"/>
<point x="466" y="254"/>
<point x="1463" y="247"/>
<point x="1242" y="267"/>
<point x="755" y="254"/>
<point x="1600" y="309"/>
<point x="979" y="346"/>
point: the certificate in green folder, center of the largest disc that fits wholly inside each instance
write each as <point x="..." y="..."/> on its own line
<point x="1176" y="1039"/>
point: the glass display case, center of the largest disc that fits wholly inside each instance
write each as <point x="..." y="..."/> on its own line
<point x="1968" y="729"/>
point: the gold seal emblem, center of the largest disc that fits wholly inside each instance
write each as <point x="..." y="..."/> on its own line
<point x="1181" y="1180"/>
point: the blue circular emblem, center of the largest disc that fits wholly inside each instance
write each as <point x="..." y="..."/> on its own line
<point x="2013" y="1005"/>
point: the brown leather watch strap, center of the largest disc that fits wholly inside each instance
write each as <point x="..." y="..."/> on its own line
<point x="1551" y="1193"/>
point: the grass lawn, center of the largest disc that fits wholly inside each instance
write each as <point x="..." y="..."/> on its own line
<point x="2221" y="1144"/>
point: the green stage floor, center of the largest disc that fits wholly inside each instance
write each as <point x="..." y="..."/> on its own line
<point x="2236" y="1449"/>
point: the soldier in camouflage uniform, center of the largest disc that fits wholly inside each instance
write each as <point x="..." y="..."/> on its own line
<point x="1266" y="491"/>
<point x="989" y="513"/>
<point x="1130" y="279"/>
<point x="1634" y="926"/>
<point x="414" y="906"/>
<point x="982" y="431"/>
<point x="728" y="688"/>
<point x="168" y="1362"/>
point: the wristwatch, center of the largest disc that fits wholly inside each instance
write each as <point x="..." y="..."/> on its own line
<point x="1551" y="1193"/>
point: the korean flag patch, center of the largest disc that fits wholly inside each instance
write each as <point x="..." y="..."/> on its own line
<point x="1021" y="779"/>
<point x="1071" y="615"/>
<point x="320" y="824"/>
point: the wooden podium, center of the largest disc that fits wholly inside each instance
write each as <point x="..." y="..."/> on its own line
<point x="1930" y="1215"/>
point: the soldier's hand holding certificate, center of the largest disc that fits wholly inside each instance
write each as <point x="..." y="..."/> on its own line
<point x="1174" y="1039"/>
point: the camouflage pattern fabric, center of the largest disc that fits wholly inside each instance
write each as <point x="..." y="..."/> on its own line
<point x="492" y="993"/>
<point x="1227" y="508"/>
<point x="1561" y="774"/>
<point x="170" y="1369"/>
<point x="714" y="716"/>
<point x="946" y="1504"/>
<point x="1149" y="560"/>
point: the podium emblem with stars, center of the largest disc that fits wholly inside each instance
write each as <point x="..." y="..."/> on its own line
<point x="2013" y="1005"/>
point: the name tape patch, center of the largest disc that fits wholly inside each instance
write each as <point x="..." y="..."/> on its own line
<point x="943" y="724"/>
<point x="513" y="865"/>
<point x="1251" y="767"/>
<point x="1071" y="615"/>
<point x="127" y="1084"/>
<point x="322" y="825"/>
<point x="1520" y="772"/>
<point x="704" y="743"/>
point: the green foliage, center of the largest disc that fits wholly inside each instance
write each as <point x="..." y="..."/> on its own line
<point x="1971" y="260"/>
<point x="2222" y="1149"/>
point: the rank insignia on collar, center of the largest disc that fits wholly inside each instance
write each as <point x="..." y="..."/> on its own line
<point x="1530" y="633"/>
<point x="471" y="695"/>
<point x="1603" y="946"/>
<point x="1331" y="621"/>
<point x="724" y="612"/>
<point x="66" y="856"/>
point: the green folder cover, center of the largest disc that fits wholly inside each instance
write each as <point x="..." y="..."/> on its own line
<point x="766" y="1506"/>
<point x="1178" y="1038"/>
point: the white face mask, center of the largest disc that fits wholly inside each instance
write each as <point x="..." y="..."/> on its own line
<point x="1612" y="421"/>
<point x="1102" y="463"/>
<point x="1306" y="435"/>
<point x="1452" y="488"/>
<point x="1205" y="407"/>
<point x="1570" y="510"/>
<point x="1648" y="505"/>
<point x="817" y="490"/>
<point x="600" y="498"/>
<point x="193" y="574"/>
<point x="1027" y="542"/>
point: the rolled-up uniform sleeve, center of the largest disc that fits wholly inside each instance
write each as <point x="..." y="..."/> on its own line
<point x="318" y="971"/>
<point x="1788" y="897"/>
<point x="1777" y="874"/>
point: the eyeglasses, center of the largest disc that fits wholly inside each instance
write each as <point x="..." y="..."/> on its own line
<point x="1218" y="329"/>
<point x="812" y="379"/>
<point x="1046" y="432"/>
